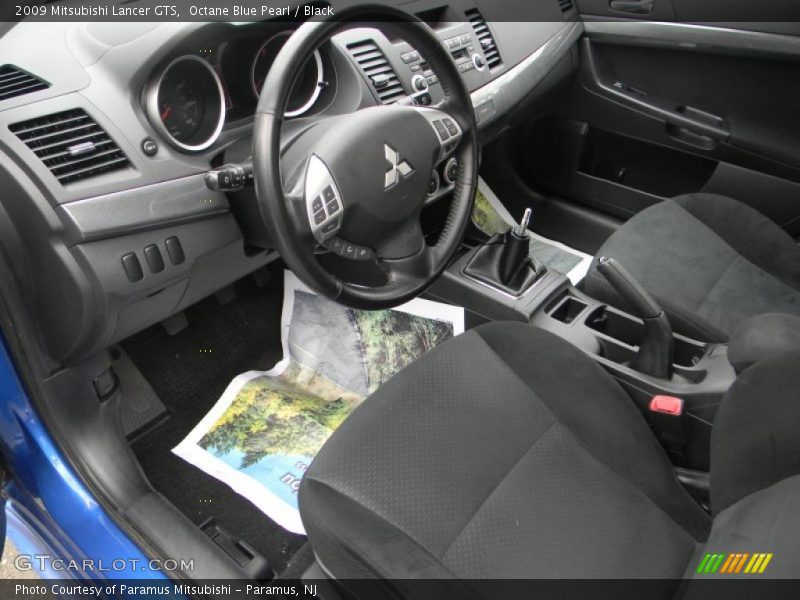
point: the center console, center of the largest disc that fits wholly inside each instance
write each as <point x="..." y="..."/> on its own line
<point x="676" y="381"/>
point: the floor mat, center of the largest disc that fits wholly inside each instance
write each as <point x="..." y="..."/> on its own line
<point x="267" y="426"/>
<point x="491" y="217"/>
<point x="188" y="372"/>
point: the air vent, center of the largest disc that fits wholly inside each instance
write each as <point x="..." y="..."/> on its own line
<point x="16" y="82"/>
<point x="565" y="5"/>
<point x="378" y="70"/>
<point x="484" y="35"/>
<point x="71" y="145"/>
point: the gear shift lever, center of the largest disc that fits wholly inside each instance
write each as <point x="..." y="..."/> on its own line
<point x="522" y="228"/>
<point x="503" y="261"/>
<point x="515" y="249"/>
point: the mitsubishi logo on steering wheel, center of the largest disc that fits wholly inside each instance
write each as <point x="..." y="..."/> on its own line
<point x="397" y="168"/>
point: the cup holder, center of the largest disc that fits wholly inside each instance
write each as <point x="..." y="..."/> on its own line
<point x="629" y="331"/>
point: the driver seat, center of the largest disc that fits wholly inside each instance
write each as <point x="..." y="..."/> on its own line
<point x="508" y="453"/>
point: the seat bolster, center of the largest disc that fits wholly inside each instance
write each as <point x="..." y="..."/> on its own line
<point x="755" y="443"/>
<point x="754" y="236"/>
<point x="764" y="523"/>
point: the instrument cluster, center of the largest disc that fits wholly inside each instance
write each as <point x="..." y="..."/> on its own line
<point x="191" y="98"/>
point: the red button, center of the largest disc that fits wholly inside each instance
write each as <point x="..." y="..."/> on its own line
<point x="669" y="405"/>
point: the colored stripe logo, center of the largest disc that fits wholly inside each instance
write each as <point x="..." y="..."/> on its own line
<point x="734" y="563"/>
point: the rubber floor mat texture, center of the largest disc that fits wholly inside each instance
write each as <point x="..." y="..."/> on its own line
<point x="267" y="426"/>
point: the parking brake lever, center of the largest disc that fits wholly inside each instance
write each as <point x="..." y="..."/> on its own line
<point x="655" y="355"/>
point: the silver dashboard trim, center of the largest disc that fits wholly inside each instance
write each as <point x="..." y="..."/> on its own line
<point x="693" y="37"/>
<point x="156" y="205"/>
<point x="512" y="86"/>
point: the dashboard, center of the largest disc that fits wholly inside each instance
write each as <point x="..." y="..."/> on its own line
<point x="106" y="159"/>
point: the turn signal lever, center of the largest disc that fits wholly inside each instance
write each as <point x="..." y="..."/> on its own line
<point x="656" y="349"/>
<point x="230" y="177"/>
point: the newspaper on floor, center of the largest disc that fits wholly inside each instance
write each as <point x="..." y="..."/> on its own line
<point x="491" y="217"/>
<point x="262" y="434"/>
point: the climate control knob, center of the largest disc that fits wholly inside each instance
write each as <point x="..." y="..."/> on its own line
<point x="419" y="83"/>
<point x="433" y="184"/>
<point x="450" y="171"/>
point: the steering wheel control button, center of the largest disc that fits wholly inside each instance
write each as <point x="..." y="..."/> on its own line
<point x="333" y="206"/>
<point x="175" y="250"/>
<point x="154" y="259"/>
<point x="132" y="267"/>
<point x="350" y="251"/>
<point x="330" y="227"/>
<point x="441" y="130"/>
<point x="323" y="201"/>
<point x="448" y="131"/>
<point x="149" y="146"/>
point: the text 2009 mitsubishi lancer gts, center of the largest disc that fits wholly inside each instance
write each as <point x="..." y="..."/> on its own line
<point x="401" y="299"/>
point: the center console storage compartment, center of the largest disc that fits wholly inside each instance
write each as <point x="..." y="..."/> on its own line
<point x="616" y="335"/>
<point x="616" y="326"/>
<point x="700" y="376"/>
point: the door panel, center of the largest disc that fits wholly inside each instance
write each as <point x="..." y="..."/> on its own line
<point x="764" y="15"/>
<point x="686" y="110"/>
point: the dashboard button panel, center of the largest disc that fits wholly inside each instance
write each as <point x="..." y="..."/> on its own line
<point x="349" y="250"/>
<point x="154" y="259"/>
<point x="132" y="267"/>
<point x="174" y="250"/>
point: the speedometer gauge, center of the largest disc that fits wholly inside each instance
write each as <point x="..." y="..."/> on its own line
<point x="308" y="86"/>
<point x="185" y="103"/>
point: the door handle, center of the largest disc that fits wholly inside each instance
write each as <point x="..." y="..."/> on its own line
<point x="639" y="7"/>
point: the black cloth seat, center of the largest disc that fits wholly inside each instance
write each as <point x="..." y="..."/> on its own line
<point x="710" y="261"/>
<point x="508" y="453"/>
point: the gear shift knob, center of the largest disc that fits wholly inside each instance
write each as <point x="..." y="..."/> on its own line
<point x="515" y="249"/>
<point x="522" y="228"/>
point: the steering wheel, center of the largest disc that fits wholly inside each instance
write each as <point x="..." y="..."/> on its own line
<point x="356" y="183"/>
